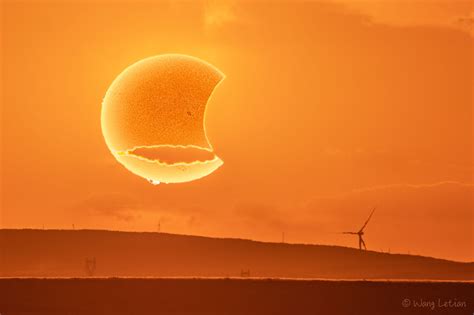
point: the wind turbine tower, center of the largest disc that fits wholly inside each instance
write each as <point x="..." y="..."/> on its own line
<point x="360" y="233"/>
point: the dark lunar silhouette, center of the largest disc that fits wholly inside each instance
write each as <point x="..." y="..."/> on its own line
<point x="360" y="233"/>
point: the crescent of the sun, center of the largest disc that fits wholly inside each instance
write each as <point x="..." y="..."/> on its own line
<point x="153" y="118"/>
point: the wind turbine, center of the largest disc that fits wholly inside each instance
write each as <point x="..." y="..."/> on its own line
<point x="360" y="233"/>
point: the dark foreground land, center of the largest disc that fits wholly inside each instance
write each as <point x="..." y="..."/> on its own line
<point x="231" y="296"/>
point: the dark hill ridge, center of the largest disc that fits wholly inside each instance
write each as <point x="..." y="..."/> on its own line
<point x="63" y="253"/>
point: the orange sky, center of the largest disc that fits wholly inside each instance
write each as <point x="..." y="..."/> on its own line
<point x="327" y="109"/>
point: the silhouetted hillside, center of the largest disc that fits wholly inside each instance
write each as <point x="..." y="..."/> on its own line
<point x="63" y="253"/>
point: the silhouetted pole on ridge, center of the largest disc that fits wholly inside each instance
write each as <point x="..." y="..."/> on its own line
<point x="360" y="233"/>
<point x="90" y="266"/>
<point x="245" y="273"/>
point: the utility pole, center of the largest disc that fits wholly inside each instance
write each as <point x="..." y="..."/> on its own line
<point x="283" y="237"/>
<point x="90" y="266"/>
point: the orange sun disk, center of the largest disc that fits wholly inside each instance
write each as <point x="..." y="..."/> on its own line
<point x="153" y="118"/>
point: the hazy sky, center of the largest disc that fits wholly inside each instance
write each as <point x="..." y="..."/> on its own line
<point x="327" y="109"/>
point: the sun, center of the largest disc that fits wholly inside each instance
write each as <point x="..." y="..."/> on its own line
<point x="153" y="118"/>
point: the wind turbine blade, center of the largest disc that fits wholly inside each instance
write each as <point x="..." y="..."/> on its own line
<point x="365" y="224"/>
<point x="348" y="232"/>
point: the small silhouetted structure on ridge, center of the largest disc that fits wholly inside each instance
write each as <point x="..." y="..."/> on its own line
<point x="245" y="273"/>
<point x="360" y="233"/>
<point x="90" y="266"/>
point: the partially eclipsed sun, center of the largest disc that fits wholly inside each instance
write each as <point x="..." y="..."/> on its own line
<point x="153" y="118"/>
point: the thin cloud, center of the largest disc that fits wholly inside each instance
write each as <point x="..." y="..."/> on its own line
<point x="452" y="13"/>
<point x="217" y="13"/>
<point x="119" y="206"/>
